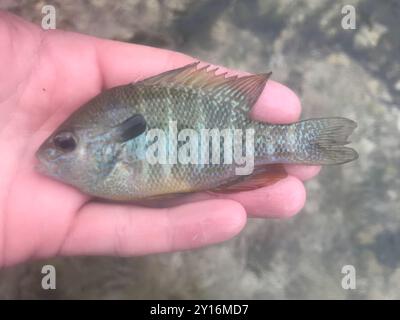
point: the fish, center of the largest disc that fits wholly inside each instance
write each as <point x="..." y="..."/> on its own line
<point x="182" y="131"/>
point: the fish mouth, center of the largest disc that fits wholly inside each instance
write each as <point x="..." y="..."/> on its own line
<point x="44" y="165"/>
<point x="46" y="168"/>
<point x="41" y="168"/>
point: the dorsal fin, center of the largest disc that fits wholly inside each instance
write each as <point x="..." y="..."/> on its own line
<point x="246" y="88"/>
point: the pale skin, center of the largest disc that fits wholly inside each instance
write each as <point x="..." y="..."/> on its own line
<point x="45" y="75"/>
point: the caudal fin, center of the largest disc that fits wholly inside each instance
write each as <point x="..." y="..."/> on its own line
<point x="326" y="139"/>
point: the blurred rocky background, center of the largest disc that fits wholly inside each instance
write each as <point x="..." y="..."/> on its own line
<point x="352" y="216"/>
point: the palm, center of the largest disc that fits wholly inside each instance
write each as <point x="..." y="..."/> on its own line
<point x="47" y="75"/>
<point x="34" y="208"/>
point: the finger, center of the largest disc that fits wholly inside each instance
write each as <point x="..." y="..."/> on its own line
<point x="280" y="200"/>
<point x="125" y="230"/>
<point x="277" y="104"/>
<point x="121" y="63"/>
<point x="303" y="173"/>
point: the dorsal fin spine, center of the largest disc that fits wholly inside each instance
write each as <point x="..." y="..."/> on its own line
<point x="246" y="88"/>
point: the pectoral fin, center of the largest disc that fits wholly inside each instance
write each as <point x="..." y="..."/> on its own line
<point x="129" y="129"/>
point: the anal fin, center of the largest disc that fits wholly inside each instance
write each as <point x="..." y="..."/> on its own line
<point x="261" y="177"/>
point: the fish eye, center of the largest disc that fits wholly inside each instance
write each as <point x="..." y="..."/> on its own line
<point x="65" y="141"/>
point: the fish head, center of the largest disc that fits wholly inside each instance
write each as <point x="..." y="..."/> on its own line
<point x="72" y="156"/>
<point x="83" y="155"/>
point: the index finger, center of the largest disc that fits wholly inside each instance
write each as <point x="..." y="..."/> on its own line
<point x="123" y="63"/>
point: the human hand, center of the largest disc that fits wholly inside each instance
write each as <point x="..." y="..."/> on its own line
<point x="45" y="75"/>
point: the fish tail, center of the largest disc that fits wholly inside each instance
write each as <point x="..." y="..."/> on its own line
<point x="324" y="141"/>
